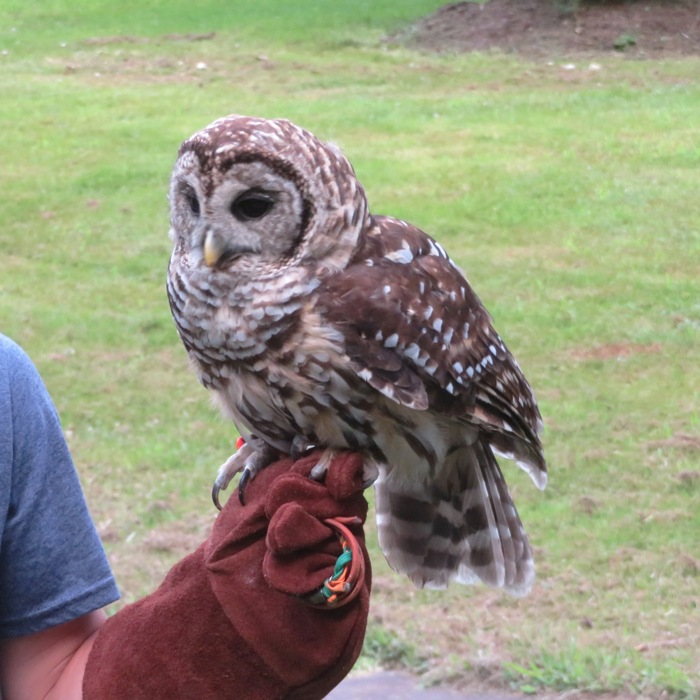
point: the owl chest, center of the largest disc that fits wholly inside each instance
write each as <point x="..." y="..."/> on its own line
<point x="304" y="390"/>
<point x="227" y="340"/>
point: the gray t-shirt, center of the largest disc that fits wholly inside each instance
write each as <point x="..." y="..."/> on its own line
<point x="52" y="565"/>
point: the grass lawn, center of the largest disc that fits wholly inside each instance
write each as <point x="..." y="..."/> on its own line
<point x="570" y="198"/>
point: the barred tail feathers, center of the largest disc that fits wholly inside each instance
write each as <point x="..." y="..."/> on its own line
<point x="461" y="526"/>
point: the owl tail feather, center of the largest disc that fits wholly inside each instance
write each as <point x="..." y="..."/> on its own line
<point x="462" y="526"/>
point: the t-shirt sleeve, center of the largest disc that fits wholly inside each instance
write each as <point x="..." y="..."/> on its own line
<point x="53" y="567"/>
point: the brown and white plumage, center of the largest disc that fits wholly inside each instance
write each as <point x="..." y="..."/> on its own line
<point x="316" y="323"/>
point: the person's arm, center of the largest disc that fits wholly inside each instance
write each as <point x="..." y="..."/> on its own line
<point x="54" y="575"/>
<point x="49" y="665"/>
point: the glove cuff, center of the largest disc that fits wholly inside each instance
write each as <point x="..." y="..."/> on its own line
<point x="176" y="643"/>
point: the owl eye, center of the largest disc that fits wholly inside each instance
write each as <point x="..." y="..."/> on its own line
<point x="251" y="205"/>
<point x="193" y="202"/>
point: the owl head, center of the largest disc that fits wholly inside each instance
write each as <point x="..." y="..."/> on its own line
<point x="252" y="196"/>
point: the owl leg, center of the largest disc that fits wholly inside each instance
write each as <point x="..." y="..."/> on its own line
<point x="249" y="459"/>
<point x="318" y="473"/>
<point x="370" y="468"/>
<point x="300" y="445"/>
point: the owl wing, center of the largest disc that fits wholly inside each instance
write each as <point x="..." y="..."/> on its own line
<point x="415" y="331"/>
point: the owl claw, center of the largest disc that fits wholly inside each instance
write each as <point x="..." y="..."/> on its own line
<point x="234" y="464"/>
<point x="299" y="446"/>
<point x="251" y="457"/>
<point x="370" y="468"/>
<point x="370" y="472"/>
<point x="215" y="490"/>
<point x="318" y="473"/>
<point x="246" y="476"/>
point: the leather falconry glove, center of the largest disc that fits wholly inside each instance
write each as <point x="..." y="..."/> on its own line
<point x="248" y="615"/>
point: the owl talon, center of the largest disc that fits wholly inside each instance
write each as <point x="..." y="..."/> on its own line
<point x="299" y="446"/>
<point x="250" y="458"/>
<point x="246" y="477"/>
<point x="234" y="464"/>
<point x="215" y="490"/>
<point x="318" y="473"/>
<point x="370" y="472"/>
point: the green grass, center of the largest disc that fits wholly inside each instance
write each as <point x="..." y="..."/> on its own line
<point x="568" y="197"/>
<point x="598" y="671"/>
<point x="383" y="649"/>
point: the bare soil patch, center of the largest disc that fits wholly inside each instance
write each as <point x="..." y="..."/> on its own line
<point x="129" y="39"/>
<point x="615" y="351"/>
<point x="641" y="28"/>
<point x="679" y="441"/>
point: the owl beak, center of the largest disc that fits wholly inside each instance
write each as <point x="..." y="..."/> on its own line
<point x="213" y="250"/>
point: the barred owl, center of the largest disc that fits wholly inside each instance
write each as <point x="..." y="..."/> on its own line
<point x="316" y="323"/>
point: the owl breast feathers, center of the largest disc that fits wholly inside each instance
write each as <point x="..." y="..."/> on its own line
<point x="316" y="323"/>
